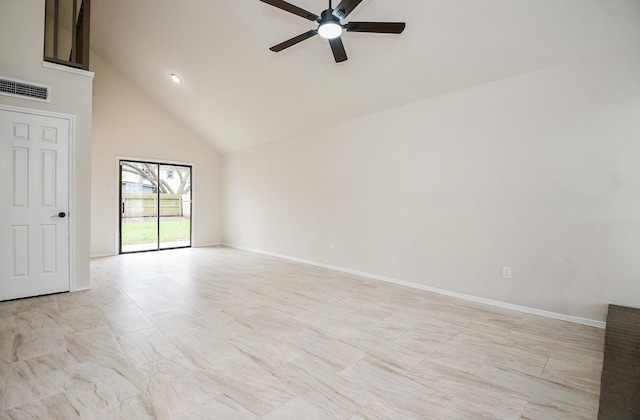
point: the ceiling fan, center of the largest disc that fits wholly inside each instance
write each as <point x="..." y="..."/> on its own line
<point x="329" y="25"/>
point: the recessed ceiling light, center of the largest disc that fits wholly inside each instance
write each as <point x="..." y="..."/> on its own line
<point x="176" y="78"/>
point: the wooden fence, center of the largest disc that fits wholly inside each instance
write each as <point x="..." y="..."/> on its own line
<point x="146" y="205"/>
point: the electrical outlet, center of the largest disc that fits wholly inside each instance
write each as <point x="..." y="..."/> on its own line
<point x="506" y="273"/>
<point x="332" y="246"/>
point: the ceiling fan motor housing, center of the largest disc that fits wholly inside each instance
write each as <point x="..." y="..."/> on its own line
<point x="328" y="16"/>
<point x="329" y="26"/>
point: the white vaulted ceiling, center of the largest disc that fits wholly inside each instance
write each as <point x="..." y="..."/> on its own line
<point x="236" y="93"/>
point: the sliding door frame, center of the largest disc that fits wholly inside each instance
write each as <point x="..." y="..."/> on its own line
<point x="118" y="208"/>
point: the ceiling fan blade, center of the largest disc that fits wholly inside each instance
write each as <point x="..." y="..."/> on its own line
<point x="288" y="7"/>
<point x="345" y="7"/>
<point x="377" y="27"/>
<point x="293" y="41"/>
<point x="337" y="47"/>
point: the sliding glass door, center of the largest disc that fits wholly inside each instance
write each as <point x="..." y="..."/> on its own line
<point x="175" y="206"/>
<point x="155" y="206"/>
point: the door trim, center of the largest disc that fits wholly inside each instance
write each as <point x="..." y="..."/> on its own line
<point x="72" y="205"/>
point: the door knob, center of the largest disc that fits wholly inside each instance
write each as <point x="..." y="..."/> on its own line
<point x="61" y="215"/>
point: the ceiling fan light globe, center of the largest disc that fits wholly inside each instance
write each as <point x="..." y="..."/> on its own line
<point x="330" y="30"/>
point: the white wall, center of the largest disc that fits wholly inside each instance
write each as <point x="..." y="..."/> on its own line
<point x="127" y="123"/>
<point x="538" y="172"/>
<point x="21" y="50"/>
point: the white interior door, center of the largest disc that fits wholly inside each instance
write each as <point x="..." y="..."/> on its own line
<point x="34" y="227"/>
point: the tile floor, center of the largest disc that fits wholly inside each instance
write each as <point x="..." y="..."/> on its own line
<point x="218" y="333"/>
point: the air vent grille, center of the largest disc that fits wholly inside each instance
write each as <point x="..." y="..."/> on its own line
<point x="24" y="90"/>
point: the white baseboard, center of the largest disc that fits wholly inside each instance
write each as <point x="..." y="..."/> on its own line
<point x="206" y="245"/>
<point x="192" y="246"/>
<point x="471" y="298"/>
<point x="102" y="256"/>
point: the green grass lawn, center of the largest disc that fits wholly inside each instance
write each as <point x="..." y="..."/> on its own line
<point x="145" y="232"/>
